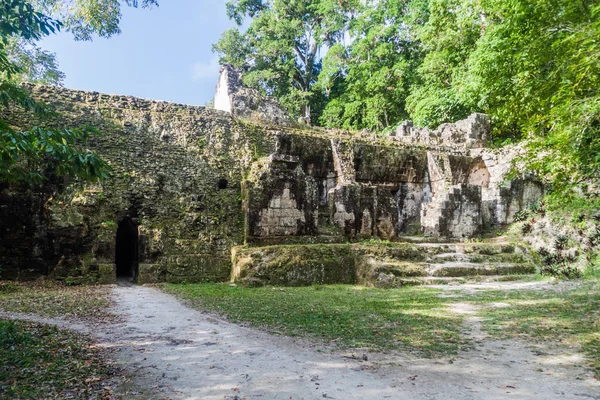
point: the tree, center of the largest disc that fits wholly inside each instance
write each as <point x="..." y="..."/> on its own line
<point x="33" y="156"/>
<point x="537" y="71"/>
<point x="34" y="64"/>
<point x="281" y="49"/>
<point x="448" y="37"/>
<point x="534" y="66"/>
<point x="86" y="18"/>
<point x="367" y="81"/>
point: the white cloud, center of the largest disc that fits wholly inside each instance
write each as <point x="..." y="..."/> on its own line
<point x="206" y="70"/>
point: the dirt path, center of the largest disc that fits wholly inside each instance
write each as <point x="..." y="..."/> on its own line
<point x="178" y="353"/>
<point x="173" y="352"/>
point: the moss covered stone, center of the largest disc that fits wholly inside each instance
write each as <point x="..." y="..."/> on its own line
<point x="196" y="182"/>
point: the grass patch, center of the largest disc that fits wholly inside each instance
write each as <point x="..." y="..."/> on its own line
<point x="348" y="316"/>
<point x="411" y="318"/>
<point x="40" y="361"/>
<point x="568" y="317"/>
<point x="55" y="299"/>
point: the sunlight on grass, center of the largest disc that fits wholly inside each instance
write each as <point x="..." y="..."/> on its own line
<point x="349" y="316"/>
<point x="552" y="317"/>
<point x="410" y="319"/>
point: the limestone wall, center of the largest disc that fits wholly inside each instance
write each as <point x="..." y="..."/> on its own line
<point x="176" y="170"/>
<point x="197" y="182"/>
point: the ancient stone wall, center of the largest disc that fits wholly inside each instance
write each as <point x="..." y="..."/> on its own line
<point x="196" y="182"/>
<point x="176" y="171"/>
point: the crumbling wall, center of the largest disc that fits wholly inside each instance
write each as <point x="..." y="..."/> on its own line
<point x="245" y="103"/>
<point x="176" y="170"/>
<point x="197" y="182"/>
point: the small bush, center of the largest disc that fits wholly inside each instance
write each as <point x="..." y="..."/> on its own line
<point x="561" y="241"/>
<point x="522" y="215"/>
<point x="561" y="270"/>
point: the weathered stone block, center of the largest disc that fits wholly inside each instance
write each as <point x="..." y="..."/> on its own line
<point x="150" y="273"/>
<point x="107" y="274"/>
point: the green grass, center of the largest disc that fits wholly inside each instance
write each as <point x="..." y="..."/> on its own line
<point x="55" y="299"/>
<point x="411" y="318"/>
<point x="40" y="361"/>
<point x="553" y="317"/>
<point x="349" y="316"/>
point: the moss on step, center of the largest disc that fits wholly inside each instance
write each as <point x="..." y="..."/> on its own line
<point x="372" y="264"/>
<point x="294" y="265"/>
<point x="106" y="274"/>
<point x="474" y="270"/>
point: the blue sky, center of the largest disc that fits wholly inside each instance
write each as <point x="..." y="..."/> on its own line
<point x="162" y="54"/>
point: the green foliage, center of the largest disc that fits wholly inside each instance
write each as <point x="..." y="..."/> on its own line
<point x="83" y="18"/>
<point x="279" y="51"/>
<point x="556" y="263"/>
<point x="448" y="36"/>
<point x="33" y="63"/>
<point x="86" y="18"/>
<point x="37" y="154"/>
<point x="532" y="65"/>
<point x="367" y="82"/>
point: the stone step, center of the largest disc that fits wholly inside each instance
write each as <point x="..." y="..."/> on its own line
<point x="476" y="258"/>
<point x="371" y="269"/>
<point x="487" y="248"/>
<point x="371" y="263"/>
<point x="435" y="280"/>
<point x="457" y="269"/>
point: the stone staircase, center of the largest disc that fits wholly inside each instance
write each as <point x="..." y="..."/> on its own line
<point x="446" y="263"/>
<point x="414" y="261"/>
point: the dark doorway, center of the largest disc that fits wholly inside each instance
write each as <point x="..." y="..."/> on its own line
<point x="126" y="254"/>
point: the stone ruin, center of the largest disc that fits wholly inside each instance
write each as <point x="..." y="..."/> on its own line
<point x="245" y="103"/>
<point x="189" y="184"/>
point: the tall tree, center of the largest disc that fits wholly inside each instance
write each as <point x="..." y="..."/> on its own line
<point x="86" y="18"/>
<point x="280" y="51"/>
<point x="448" y="37"/>
<point x="367" y="81"/>
<point x="536" y="70"/>
<point x="534" y="66"/>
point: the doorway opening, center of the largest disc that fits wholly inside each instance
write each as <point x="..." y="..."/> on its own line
<point x="126" y="253"/>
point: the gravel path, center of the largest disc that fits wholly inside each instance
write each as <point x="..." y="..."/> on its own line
<point x="178" y="353"/>
<point x="173" y="352"/>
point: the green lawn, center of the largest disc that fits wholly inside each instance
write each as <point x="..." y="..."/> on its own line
<point x="349" y="316"/>
<point x="557" y="317"/>
<point x="411" y="318"/>
<point x="44" y="362"/>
